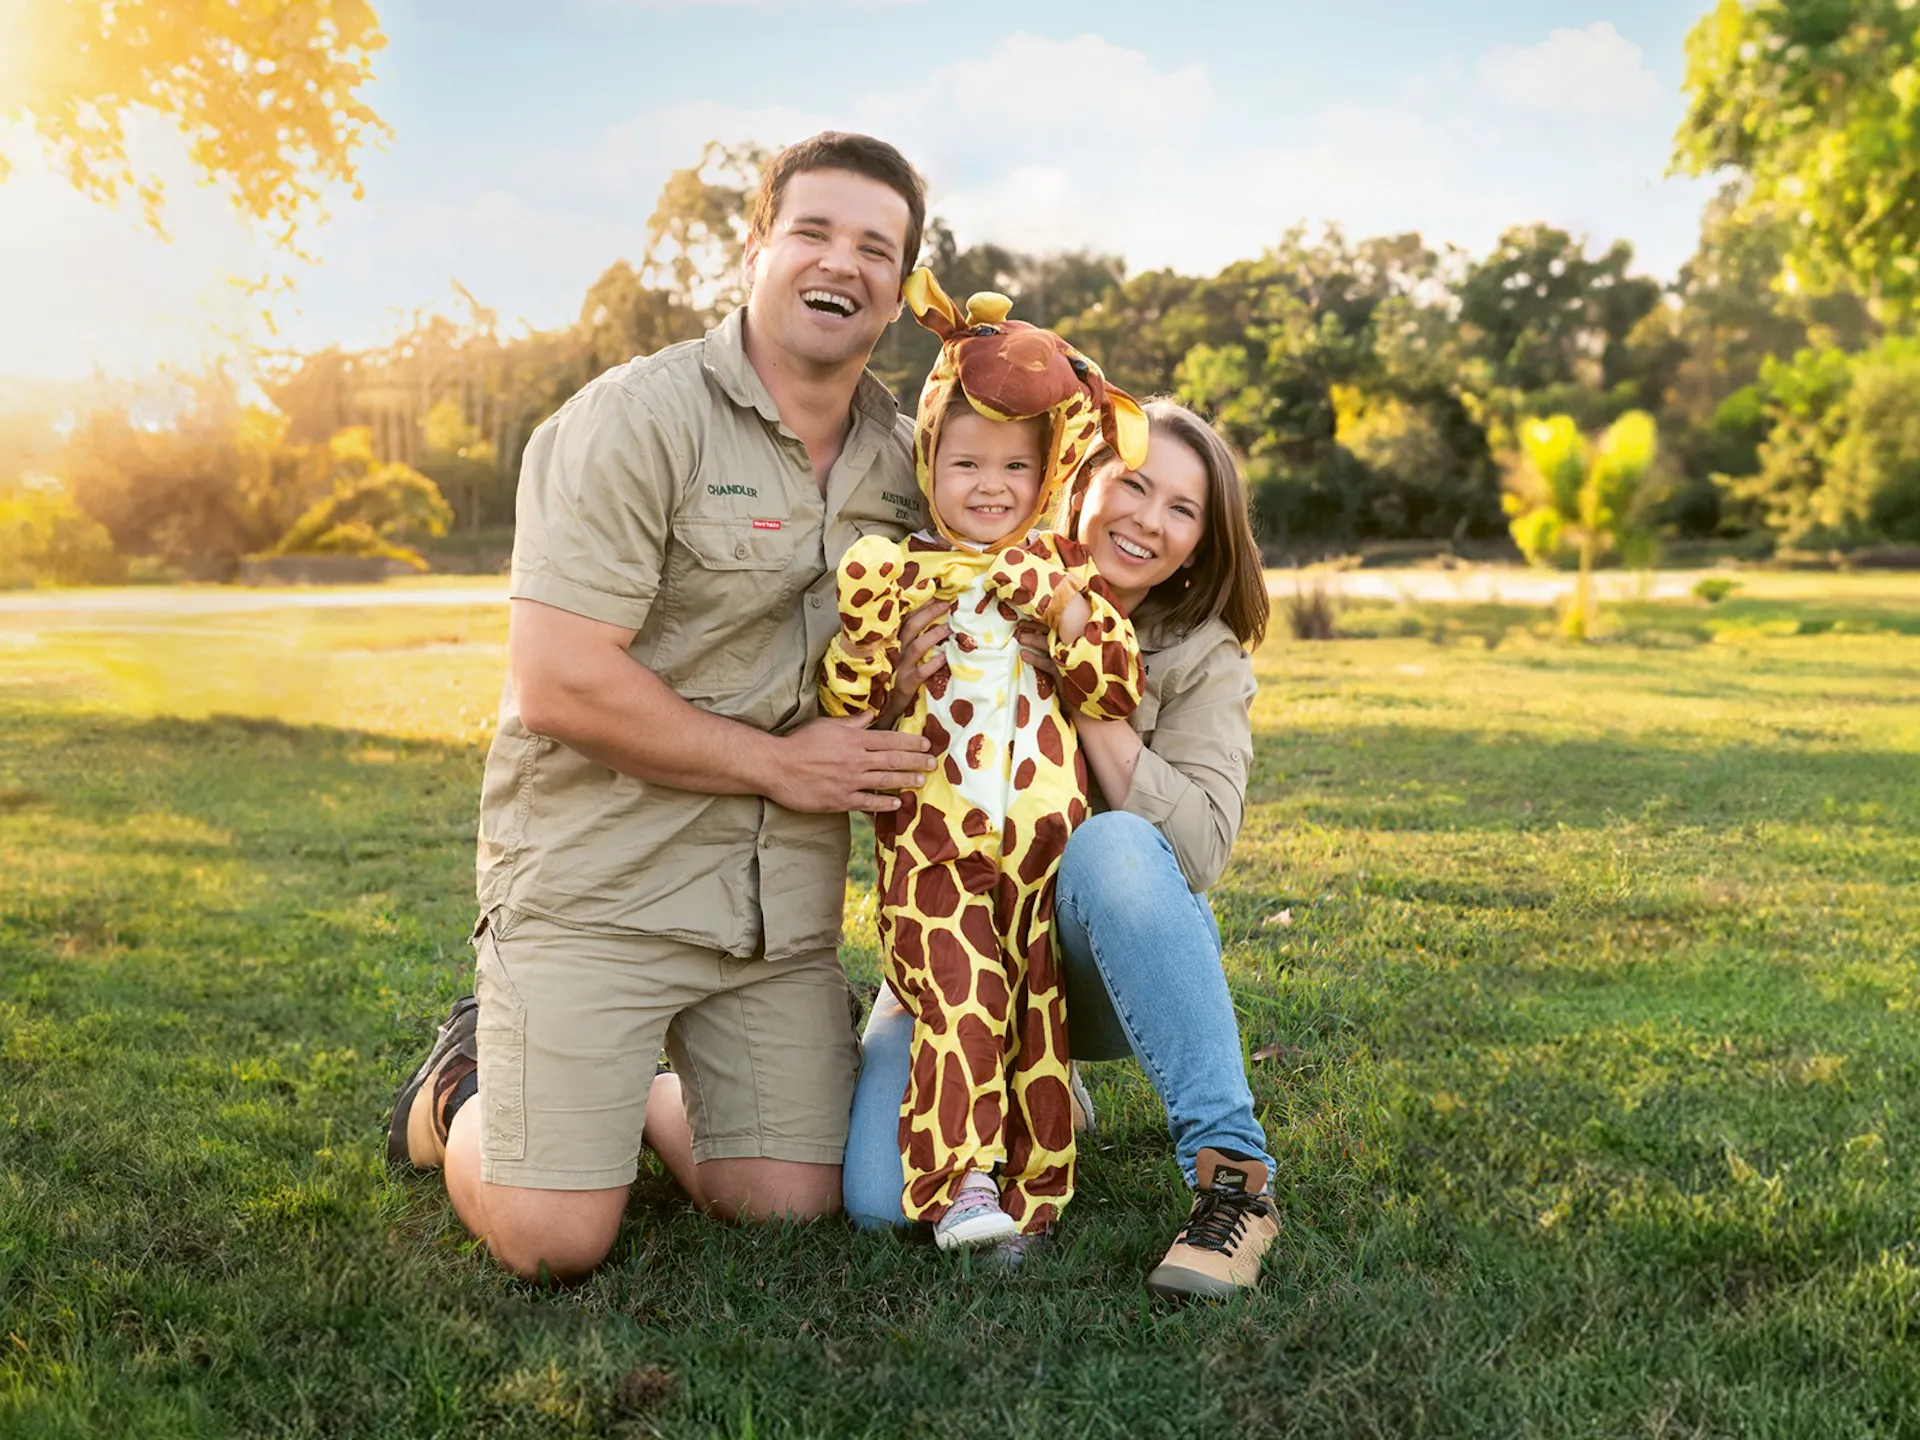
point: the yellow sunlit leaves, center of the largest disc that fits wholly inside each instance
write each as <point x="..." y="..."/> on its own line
<point x="268" y="93"/>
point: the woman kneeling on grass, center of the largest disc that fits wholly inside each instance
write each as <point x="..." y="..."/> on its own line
<point x="1139" y="944"/>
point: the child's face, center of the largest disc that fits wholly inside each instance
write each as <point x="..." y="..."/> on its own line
<point x="986" y="474"/>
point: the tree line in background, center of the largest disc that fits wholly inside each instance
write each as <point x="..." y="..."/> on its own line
<point x="1381" y="389"/>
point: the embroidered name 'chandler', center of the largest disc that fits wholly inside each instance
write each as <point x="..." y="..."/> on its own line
<point x="724" y="490"/>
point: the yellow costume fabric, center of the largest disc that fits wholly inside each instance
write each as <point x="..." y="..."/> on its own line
<point x="966" y="865"/>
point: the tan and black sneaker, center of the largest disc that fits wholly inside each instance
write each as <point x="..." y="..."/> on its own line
<point x="1218" y="1251"/>
<point x="417" y="1133"/>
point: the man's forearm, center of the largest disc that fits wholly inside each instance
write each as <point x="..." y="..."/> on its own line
<point x="620" y="714"/>
<point x="575" y="682"/>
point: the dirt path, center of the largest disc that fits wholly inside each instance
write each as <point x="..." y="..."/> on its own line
<point x="1467" y="586"/>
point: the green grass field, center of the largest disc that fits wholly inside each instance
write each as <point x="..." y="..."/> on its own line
<point x="1580" y="988"/>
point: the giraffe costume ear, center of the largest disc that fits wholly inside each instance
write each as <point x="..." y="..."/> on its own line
<point x="932" y="306"/>
<point x="1125" y="425"/>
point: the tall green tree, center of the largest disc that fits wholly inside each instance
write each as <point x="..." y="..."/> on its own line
<point x="697" y="235"/>
<point x="1727" y="318"/>
<point x="623" y="316"/>
<point x="1873" y="486"/>
<point x="1840" y="465"/>
<point x="1817" y="104"/>
<point x="1552" y="323"/>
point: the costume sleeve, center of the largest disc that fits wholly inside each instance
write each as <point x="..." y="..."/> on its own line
<point x="858" y="669"/>
<point x="596" y="500"/>
<point x="1191" y="778"/>
<point x="1100" y="674"/>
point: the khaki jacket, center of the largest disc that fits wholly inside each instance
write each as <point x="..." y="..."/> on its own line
<point x="667" y="498"/>
<point x="1195" y="722"/>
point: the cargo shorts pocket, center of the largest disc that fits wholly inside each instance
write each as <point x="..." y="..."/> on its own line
<point x="502" y="1041"/>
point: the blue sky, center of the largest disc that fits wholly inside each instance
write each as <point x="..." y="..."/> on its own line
<point x="531" y="140"/>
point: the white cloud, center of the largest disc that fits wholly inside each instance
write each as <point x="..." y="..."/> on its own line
<point x="1013" y="143"/>
<point x="630" y="161"/>
<point x="1032" y="101"/>
<point x="1028" y="101"/>
<point x="1196" y="206"/>
<point x="1595" y="71"/>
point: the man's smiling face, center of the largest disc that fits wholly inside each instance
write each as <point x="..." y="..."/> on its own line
<point x="826" y="282"/>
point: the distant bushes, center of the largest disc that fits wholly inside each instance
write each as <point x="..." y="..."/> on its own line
<point x="46" y="539"/>
<point x="1840" y="465"/>
<point x="218" y="480"/>
<point x="371" y="510"/>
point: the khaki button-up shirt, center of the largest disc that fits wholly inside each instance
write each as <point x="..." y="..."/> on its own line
<point x="1195" y="724"/>
<point x="667" y="498"/>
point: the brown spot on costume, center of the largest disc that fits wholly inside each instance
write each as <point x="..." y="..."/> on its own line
<point x="966" y="902"/>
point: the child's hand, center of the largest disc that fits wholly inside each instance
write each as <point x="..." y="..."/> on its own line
<point x="923" y="631"/>
<point x="1067" y="610"/>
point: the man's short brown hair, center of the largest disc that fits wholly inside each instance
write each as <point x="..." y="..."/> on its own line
<point x="842" y="150"/>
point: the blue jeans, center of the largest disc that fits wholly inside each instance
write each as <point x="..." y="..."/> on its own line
<point x="1143" y="977"/>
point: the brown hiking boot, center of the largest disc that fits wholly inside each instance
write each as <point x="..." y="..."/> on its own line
<point x="1217" y="1252"/>
<point x="417" y="1133"/>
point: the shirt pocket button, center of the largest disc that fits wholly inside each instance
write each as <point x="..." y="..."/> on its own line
<point x="740" y="552"/>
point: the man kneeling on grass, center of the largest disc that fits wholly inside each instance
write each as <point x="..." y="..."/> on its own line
<point x="663" y="831"/>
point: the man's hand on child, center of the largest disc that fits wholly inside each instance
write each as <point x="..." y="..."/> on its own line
<point x="847" y="764"/>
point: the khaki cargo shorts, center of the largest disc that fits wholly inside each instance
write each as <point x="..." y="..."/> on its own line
<point x="572" y="1023"/>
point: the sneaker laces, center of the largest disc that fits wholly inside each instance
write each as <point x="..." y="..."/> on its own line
<point x="1218" y="1218"/>
<point x="972" y="1200"/>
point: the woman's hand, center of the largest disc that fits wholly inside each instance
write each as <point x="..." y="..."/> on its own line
<point x="1034" y="640"/>
<point x="922" y="633"/>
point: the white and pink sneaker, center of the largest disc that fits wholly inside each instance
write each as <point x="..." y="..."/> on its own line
<point x="974" y="1218"/>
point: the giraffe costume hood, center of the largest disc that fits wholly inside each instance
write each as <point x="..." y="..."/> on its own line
<point x="967" y="863"/>
<point x="1010" y="370"/>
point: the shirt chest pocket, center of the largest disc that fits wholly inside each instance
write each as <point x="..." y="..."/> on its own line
<point x="731" y="544"/>
<point x="731" y="614"/>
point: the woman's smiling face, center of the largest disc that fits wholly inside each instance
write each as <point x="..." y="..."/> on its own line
<point x="1143" y="525"/>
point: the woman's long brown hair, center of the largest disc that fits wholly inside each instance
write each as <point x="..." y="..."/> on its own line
<point x="1225" y="579"/>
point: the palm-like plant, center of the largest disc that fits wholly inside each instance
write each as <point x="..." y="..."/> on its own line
<point x="1575" y="496"/>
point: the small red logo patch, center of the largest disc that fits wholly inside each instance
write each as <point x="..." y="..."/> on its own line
<point x="766" y="524"/>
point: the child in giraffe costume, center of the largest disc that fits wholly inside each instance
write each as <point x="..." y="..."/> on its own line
<point x="967" y="864"/>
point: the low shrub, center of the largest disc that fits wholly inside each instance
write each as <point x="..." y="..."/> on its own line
<point x="1313" y="612"/>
